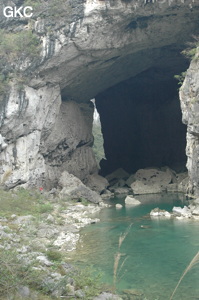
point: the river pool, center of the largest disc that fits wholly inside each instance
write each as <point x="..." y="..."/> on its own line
<point x="156" y="251"/>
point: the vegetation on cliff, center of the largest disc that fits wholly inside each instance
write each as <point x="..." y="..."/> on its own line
<point x="98" y="146"/>
<point x="15" y="48"/>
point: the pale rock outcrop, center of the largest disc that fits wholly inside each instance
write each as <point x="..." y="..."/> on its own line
<point x="73" y="187"/>
<point x="131" y="201"/>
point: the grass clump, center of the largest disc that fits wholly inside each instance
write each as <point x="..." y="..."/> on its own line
<point x="54" y="255"/>
<point x="23" y="202"/>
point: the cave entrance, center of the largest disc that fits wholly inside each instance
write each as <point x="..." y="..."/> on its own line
<point x="142" y="123"/>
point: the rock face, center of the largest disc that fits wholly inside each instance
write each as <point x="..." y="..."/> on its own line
<point x="93" y="45"/>
<point x="45" y="137"/>
<point x="189" y="96"/>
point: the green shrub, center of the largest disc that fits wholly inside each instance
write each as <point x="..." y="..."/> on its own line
<point x="191" y="50"/>
<point x="45" y="208"/>
<point x="180" y="78"/>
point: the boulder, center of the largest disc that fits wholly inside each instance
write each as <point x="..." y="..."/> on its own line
<point x="81" y="192"/>
<point x="151" y="181"/>
<point x="181" y="176"/>
<point x="157" y="212"/>
<point x="117" y="174"/>
<point x="172" y="187"/>
<point x="121" y="191"/>
<point x="68" y="180"/>
<point x="106" y="194"/>
<point x="107" y="296"/>
<point x="140" y="188"/>
<point x="130" y="180"/>
<point x="130" y="200"/>
<point x="196" y="211"/>
<point x="23" y="292"/>
<point x="119" y="183"/>
<point x="74" y="188"/>
<point x="96" y="183"/>
<point x="183" y="185"/>
<point x="171" y="172"/>
<point x="153" y="176"/>
<point x="118" y="205"/>
<point x="182" y="212"/>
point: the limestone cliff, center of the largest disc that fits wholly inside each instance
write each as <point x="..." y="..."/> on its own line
<point x="189" y="95"/>
<point x="84" y="47"/>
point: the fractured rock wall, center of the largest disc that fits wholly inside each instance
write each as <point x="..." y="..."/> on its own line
<point x="189" y="95"/>
<point x="44" y="137"/>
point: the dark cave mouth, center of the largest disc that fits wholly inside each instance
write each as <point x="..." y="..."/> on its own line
<point x="142" y="123"/>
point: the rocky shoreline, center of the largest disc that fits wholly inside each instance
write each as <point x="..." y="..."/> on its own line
<point x="40" y="243"/>
<point x="187" y="212"/>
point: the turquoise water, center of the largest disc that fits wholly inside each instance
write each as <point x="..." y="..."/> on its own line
<point x="155" y="256"/>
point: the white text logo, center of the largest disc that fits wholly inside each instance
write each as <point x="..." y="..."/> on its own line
<point x="21" y="12"/>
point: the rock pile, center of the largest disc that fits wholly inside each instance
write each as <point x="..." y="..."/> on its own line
<point x="147" y="181"/>
<point x="186" y="212"/>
